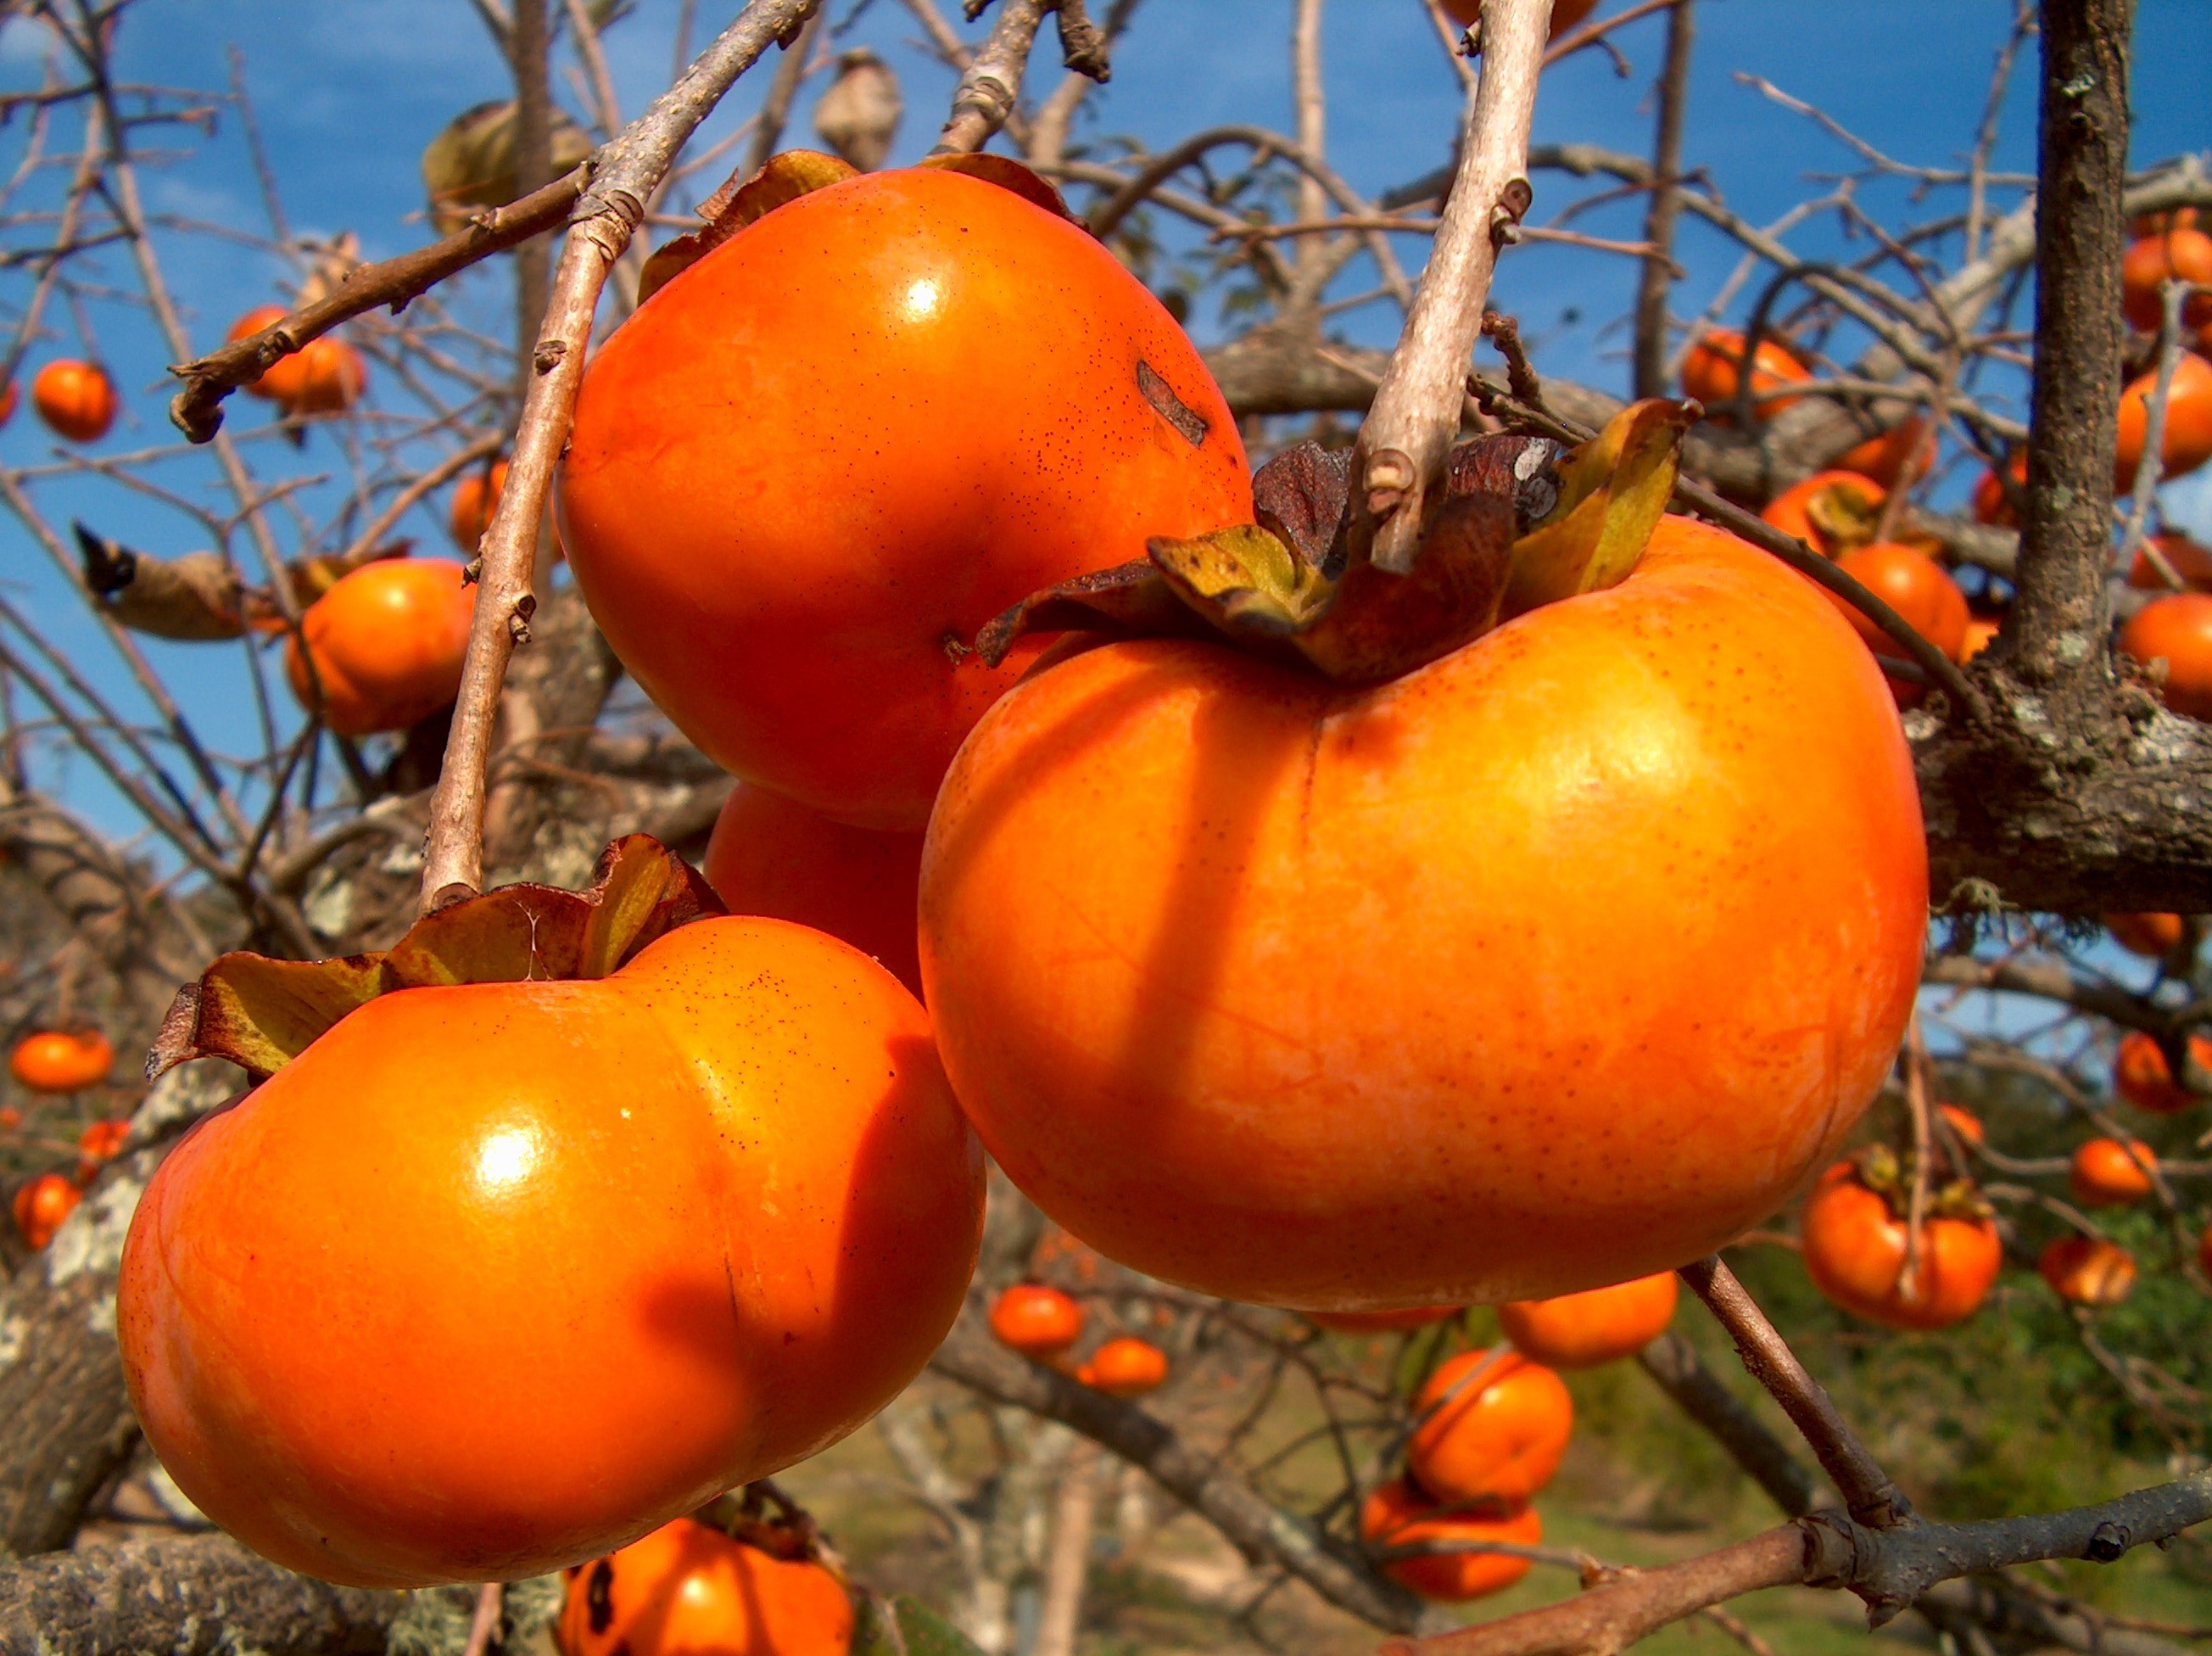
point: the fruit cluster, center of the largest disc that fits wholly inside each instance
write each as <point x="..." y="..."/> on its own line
<point x="54" y="1064"/>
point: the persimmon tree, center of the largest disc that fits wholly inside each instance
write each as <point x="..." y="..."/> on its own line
<point x="2057" y="776"/>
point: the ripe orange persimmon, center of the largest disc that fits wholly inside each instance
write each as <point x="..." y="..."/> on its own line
<point x="1981" y="632"/>
<point x="476" y="497"/>
<point x="1125" y="1368"/>
<point x="2087" y="1270"/>
<point x="1141" y="868"/>
<point x="770" y="855"/>
<point x="1710" y="373"/>
<point x="332" y="377"/>
<point x="1914" y="585"/>
<point x="62" y="1061"/>
<point x="2178" y="254"/>
<point x="10" y="1118"/>
<point x="850" y="436"/>
<point x="1383" y="1321"/>
<point x="2176" y="630"/>
<point x="98" y="1144"/>
<point x="1831" y="511"/>
<point x="2106" y="1173"/>
<point x="8" y="397"/>
<point x="2141" y="1075"/>
<point x="1989" y="504"/>
<point x="1492" y="1429"/>
<point x="1566" y="14"/>
<point x="1581" y="1330"/>
<point x="1965" y="1124"/>
<point x="1854" y="1248"/>
<point x="2180" y="218"/>
<point x="76" y="400"/>
<point x="1035" y="1320"/>
<point x="2191" y="561"/>
<point x="2188" y="441"/>
<point x="280" y="382"/>
<point x="388" y="641"/>
<point x="40" y="1206"/>
<point x="454" y="1300"/>
<point x="2154" y="936"/>
<point x="688" y="1590"/>
<point x="1905" y="452"/>
<point x="1398" y="1515"/>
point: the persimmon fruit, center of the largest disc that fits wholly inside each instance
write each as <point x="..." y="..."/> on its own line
<point x="2087" y="1270"/>
<point x="61" y="1060"/>
<point x="2107" y="1173"/>
<point x="1598" y="1325"/>
<point x="280" y="382"/>
<point x="39" y="1207"/>
<point x="688" y="1590"/>
<point x="1903" y="453"/>
<point x="2191" y="561"/>
<point x="388" y="641"/>
<point x="1981" y="632"/>
<point x="99" y="1144"/>
<point x="1493" y="1427"/>
<point x="2188" y="438"/>
<point x="1831" y="511"/>
<point x="2179" y="254"/>
<point x="2177" y="631"/>
<point x="1854" y="1252"/>
<point x="1566" y="14"/>
<point x="1914" y="585"/>
<point x="332" y="377"/>
<point x="1146" y="862"/>
<point x="1384" y="1322"/>
<point x="1125" y="1367"/>
<point x="76" y="400"/>
<point x="2141" y="1075"/>
<point x="1036" y="1320"/>
<point x="2154" y="936"/>
<point x="8" y="397"/>
<point x="808" y="469"/>
<point x="476" y="497"/>
<point x="1398" y="1515"/>
<point x="1965" y="1124"/>
<point x="772" y="856"/>
<point x="459" y="1348"/>
<point x="1990" y="504"/>
<point x="1711" y="374"/>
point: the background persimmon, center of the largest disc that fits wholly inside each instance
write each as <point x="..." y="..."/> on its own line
<point x="2191" y="561"/>
<point x="771" y="856"/>
<point x="1831" y="511"/>
<point x="2087" y="1270"/>
<point x="1906" y="451"/>
<point x="1134" y="943"/>
<point x="98" y="1145"/>
<point x="355" y="1380"/>
<point x="476" y="497"/>
<point x="2141" y="1075"/>
<point x="2154" y="936"/>
<point x="2188" y="441"/>
<point x="388" y="641"/>
<point x="1398" y="1515"/>
<point x="2176" y="630"/>
<point x="1710" y="371"/>
<point x="1990" y="503"/>
<point x="8" y="397"/>
<point x="1566" y="14"/>
<point x="1125" y="1367"/>
<point x="76" y="400"/>
<point x="41" y="1205"/>
<point x="2107" y="1173"/>
<point x="688" y="1590"/>
<point x="849" y="435"/>
<point x="62" y="1060"/>
<point x="2182" y="253"/>
<point x="1854" y="1252"/>
<point x="1036" y="1320"/>
<point x="332" y="377"/>
<point x="1493" y="1427"/>
<point x="280" y="382"/>
<point x="1581" y="1330"/>
<point x="1917" y="587"/>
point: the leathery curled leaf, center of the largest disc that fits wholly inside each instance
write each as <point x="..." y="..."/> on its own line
<point x="1613" y="490"/>
<point x="261" y="1014"/>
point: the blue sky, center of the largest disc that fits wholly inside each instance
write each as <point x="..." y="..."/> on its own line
<point x="349" y="91"/>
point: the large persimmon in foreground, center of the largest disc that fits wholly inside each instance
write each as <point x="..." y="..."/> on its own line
<point x="809" y="468"/>
<point x="1557" y="961"/>
<point x="495" y="1277"/>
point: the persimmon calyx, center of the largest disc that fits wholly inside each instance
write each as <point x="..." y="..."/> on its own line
<point x="1882" y="1171"/>
<point x="744" y="200"/>
<point x="1523" y="523"/>
<point x="260" y="1012"/>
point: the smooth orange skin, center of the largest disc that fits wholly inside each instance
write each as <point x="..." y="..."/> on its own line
<point x="2179" y="254"/>
<point x="11" y="1117"/>
<point x="1282" y="990"/>
<point x="688" y="1590"/>
<point x="2154" y="936"/>
<point x="1566" y="14"/>
<point x="1384" y="1322"/>
<point x="2087" y="1270"/>
<point x="2141" y="1075"/>
<point x="1581" y="1330"/>
<point x="476" y="497"/>
<point x="2180" y="218"/>
<point x="1906" y="451"/>
<point x="1855" y="1250"/>
<point x="1989" y="504"/>
<point x="1125" y="1368"/>
<point x="41" y="1205"/>
<point x="1966" y="1124"/>
<point x="866" y="424"/>
<point x="1398" y="1515"/>
<point x="388" y="642"/>
<point x="2178" y="630"/>
<point x="1917" y="587"/>
<point x="1710" y="373"/>
<point x="555" y="1263"/>
<point x="771" y="856"/>
<point x="1498" y="1438"/>
<point x="76" y="400"/>
<point x="1788" y="511"/>
<point x="1035" y="1320"/>
<point x="282" y="381"/>
<point x="332" y="377"/>
<point x="2103" y="1174"/>
<point x="2188" y="441"/>
<point x="2191" y="561"/>
<point x="62" y="1061"/>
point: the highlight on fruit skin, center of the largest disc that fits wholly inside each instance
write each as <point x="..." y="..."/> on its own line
<point x="2087" y="1270"/>
<point x="1125" y="1367"/>
<point x="56" y="1061"/>
<point x="1598" y="1325"/>
<point x="388" y="641"/>
<point x="39" y="1206"/>
<point x="1398" y="1515"/>
<point x="687" y="1589"/>
<point x="2173" y="637"/>
<point x="2141" y="1075"/>
<point x="2107" y="1173"/>
<point x="77" y="400"/>
<point x="1856" y="1243"/>
<point x="1036" y="1320"/>
<point x="1493" y="1427"/>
